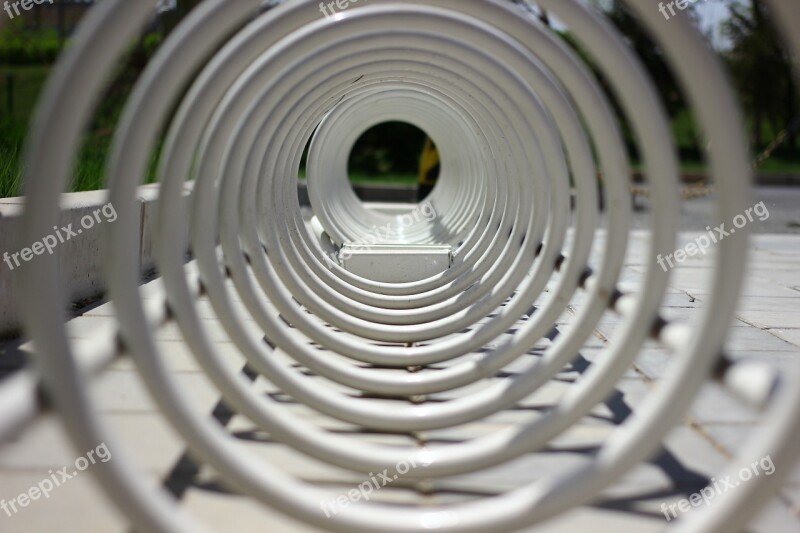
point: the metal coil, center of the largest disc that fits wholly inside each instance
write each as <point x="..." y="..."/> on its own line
<point x="517" y="117"/>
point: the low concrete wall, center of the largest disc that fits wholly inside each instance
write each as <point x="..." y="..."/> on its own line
<point x="370" y="193"/>
<point x="80" y="259"/>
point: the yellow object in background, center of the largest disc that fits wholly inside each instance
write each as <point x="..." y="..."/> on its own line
<point x="428" y="169"/>
<point x="429" y="165"/>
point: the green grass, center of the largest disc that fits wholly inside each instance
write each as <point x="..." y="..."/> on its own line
<point x="17" y="102"/>
<point x="779" y="166"/>
<point x="12" y="134"/>
<point x="16" y="112"/>
<point x="684" y="130"/>
<point x="388" y="179"/>
<point x="10" y="175"/>
<point x="18" y="99"/>
<point x="89" y="170"/>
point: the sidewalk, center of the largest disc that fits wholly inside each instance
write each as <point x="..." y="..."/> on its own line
<point x="767" y="328"/>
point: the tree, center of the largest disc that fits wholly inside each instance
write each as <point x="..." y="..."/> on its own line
<point x="174" y="16"/>
<point x="761" y="69"/>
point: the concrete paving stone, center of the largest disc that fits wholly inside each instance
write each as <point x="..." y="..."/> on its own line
<point x="318" y="419"/>
<point x="756" y="340"/>
<point x="681" y="300"/>
<point x="181" y="359"/>
<point x="240" y="424"/>
<point x="756" y="285"/>
<point x="520" y="365"/>
<point x="609" y="328"/>
<point x="513" y="474"/>
<point x="469" y="390"/>
<point x="634" y="285"/>
<point x="106" y="309"/>
<point x="695" y="454"/>
<point x="148" y="439"/>
<point x="603" y="412"/>
<point x="41" y="446"/>
<point x="775" y="243"/>
<point x="784" y="274"/>
<point x="646" y="478"/>
<point x="768" y="304"/>
<point x="633" y="390"/>
<point x="714" y="404"/>
<point x="205" y="309"/>
<point x="753" y="287"/>
<point x="299" y="465"/>
<point x="155" y="288"/>
<point x="518" y="418"/>
<point x="595" y="340"/>
<point x="776" y="517"/>
<point x="784" y="361"/>
<point x="597" y="355"/>
<point x="475" y="430"/>
<point x="789" y="335"/>
<point x="332" y="386"/>
<point x="582" y="436"/>
<point x="224" y="512"/>
<point x="545" y="396"/>
<point x="332" y="479"/>
<point x="264" y="386"/>
<point x="732" y="437"/>
<point x="243" y="428"/>
<point x="653" y="361"/>
<point x="395" y="440"/>
<point x="395" y="494"/>
<point x="592" y="519"/>
<point x="738" y="323"/>
<point x="771" y="319"/>
<point x="216" y="331"/>
<point x="124" y="392"/>
<point x="687" y="315"/>
<point x="79" y="504"/>
<point x="90" y="327"/>
<point x="499" y="420"/>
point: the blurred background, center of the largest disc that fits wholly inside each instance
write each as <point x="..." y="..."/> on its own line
<point x="391" y="153"/>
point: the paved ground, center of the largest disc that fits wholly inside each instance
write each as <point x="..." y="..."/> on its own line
<point x="767" y="328"/>
<point x="782" y="203"/>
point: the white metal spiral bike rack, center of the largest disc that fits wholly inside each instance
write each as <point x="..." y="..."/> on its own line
<point x="517" y="117"/>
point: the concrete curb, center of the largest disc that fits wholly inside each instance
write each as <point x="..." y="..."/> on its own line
<point x="80" y="258"/>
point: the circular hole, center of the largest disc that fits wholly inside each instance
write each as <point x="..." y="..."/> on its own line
<point x="393" y="162"/>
